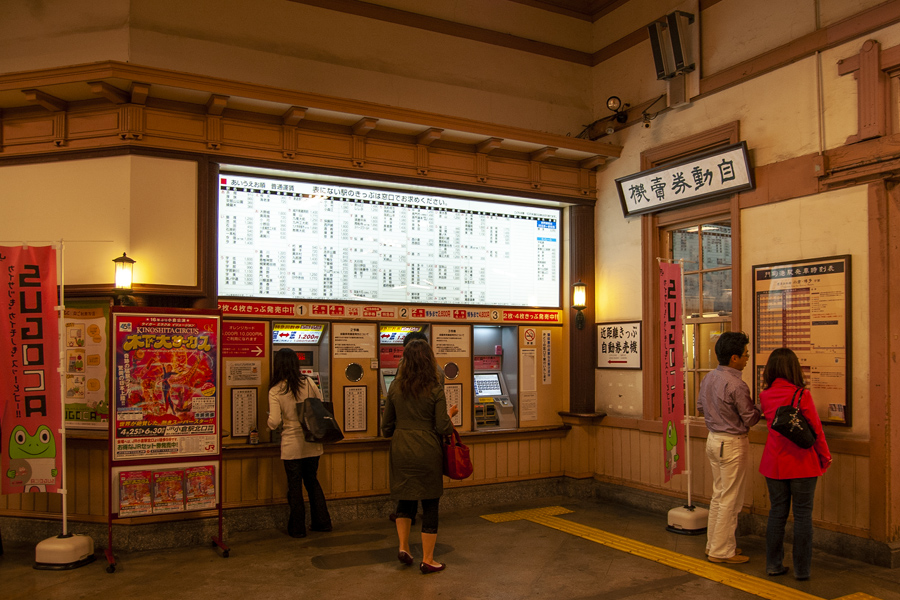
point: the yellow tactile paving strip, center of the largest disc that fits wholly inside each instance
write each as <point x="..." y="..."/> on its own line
<point x="764" y="588"/>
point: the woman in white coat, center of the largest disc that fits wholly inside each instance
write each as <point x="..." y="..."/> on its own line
<point x="287" y="391"/>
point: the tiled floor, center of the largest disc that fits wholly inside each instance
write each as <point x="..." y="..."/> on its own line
<point x="497" y="561"/>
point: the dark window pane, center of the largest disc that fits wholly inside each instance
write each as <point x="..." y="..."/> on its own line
<point x="716" y="245"/>
<point x="686" y="245"/>
<point x="717" y="292"/>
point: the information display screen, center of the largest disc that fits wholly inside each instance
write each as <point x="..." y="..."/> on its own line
<point x="296" y="239"/>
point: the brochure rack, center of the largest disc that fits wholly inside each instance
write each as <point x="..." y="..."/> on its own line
<point x="165" y="451"/>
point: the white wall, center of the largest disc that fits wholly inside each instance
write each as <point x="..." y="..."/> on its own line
<point x="146" y="207"/>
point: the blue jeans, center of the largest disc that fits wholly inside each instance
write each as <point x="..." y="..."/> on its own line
<point x="782" y="494"/>
<point x="302" y="472"/>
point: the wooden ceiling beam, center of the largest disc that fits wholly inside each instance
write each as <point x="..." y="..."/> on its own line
<point x="51" y="103"/>
<point x="110" y="92"/>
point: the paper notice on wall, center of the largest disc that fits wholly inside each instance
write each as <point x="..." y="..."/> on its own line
<point x="546" y="363"/>
<point x="243" y="372"/>
<point x="528" y="370"/>
<point x="528" y="406"/>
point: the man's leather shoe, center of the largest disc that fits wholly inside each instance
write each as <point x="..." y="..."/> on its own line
<point x="778" y="572"/>
<point x="732" y="560"/>
<point x="426" y="568"/>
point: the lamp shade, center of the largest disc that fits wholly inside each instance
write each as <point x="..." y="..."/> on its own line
<point x="124" y="272"/>
<point x="579" y="296"/>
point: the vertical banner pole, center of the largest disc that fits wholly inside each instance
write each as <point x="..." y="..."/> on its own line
<point x="64" y="490"/>
<point x="684" y="372"/>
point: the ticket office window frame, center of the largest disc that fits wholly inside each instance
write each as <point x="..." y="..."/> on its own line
<point x="655" y="233"/>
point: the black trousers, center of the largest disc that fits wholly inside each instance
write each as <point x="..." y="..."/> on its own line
<point x="406" y="509"/>
<point x="302" y="473"/>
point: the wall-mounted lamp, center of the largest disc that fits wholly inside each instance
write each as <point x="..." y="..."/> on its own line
<point x="124" y="273"/>
<point x="614" y="103"/>
<point x="579" y="302"/>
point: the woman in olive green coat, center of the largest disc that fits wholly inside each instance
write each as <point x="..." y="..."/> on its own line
<point x="415" y="418"/>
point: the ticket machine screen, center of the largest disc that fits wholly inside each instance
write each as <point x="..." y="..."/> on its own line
<point x="487" y="384"/>
<point x="388" y="380"/>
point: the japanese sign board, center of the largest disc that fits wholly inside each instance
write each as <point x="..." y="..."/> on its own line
<point x="166" y="384"/>
<point x="32" y="447"/>
<point x="695" y="179"/>
<point x="86" y="364"/>
<point x="804" y="305"/>
<point x="619" y="345"/>
<point x="671" y="328"/>
<point x="243" y="339"/>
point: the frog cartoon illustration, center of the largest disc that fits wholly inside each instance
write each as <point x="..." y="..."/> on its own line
<point x="671" y="446"/>
<point x="32" y="458"/>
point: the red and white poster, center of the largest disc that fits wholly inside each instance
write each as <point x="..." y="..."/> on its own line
<point x="200" y="487"/>
<point x="671" y="329"/>
<point x="29" y="371"/>
<point x="166" y="385"/>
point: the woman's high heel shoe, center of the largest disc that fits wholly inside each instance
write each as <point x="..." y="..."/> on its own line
<point x="405" y="558"/>
<point x="426" y="568"/>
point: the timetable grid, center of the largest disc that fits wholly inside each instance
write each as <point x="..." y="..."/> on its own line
<point x="302" y="240"/>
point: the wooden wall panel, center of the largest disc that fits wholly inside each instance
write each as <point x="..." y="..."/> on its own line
<point x="380" y="470"/>
<point x="861" y="485"/>
<point x="490" y="460"/>
<point x="92" y="124"/>
<point x="386" y="152"/>
<point x="265" y="479"/>
<point x="251" y="135"/>
<point x="513" y="169"/>
<point x="323" y="143"/>
<point x="249" y="478"/>
<point x="19" y="131"/>
<point x="634" y="457"/>
<point x="351" y="470"/>
<point x="502" y="460"/>
<point x="173" y="125"/>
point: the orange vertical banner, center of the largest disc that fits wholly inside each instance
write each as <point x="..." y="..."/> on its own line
<point x="31" y="458"/>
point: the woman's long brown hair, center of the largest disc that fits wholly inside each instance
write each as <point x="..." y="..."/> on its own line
<point x="418" y="371"/>
<point x="783" y="363"/>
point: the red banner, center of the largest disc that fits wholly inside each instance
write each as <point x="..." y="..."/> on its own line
<point x="29" y="370"/>
<point x="671" y="329"/>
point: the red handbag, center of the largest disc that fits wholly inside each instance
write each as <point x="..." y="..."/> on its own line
<point x="457" y="464"/>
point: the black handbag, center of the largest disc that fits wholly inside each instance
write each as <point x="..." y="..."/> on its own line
<point x="318" y="422"/>
<point x="791" y="423"/>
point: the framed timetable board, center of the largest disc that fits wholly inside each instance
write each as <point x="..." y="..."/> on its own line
<point x="284" y="238"/>
<point x="804" y="305"/>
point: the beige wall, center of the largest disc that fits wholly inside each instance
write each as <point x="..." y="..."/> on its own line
<point x="146" y="207"/>
<point x="295" y="46"/>
<point x="827" y="224"/>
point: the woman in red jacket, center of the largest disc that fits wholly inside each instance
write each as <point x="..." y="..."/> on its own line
<point x="790" y="470"/>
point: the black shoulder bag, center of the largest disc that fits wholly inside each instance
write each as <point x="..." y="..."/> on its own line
<point x="318" y="422"/>
<point x="791" y="423"/>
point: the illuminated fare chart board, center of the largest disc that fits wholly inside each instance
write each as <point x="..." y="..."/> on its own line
<point x="296" y="239"/>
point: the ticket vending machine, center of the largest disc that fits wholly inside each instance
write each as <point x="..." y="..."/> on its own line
<point x="495" y="377"/>
<point x="390" y="351"/>
<point x="311" y="343"/>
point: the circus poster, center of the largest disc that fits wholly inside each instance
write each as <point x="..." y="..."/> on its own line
<point x="166" y="382"/>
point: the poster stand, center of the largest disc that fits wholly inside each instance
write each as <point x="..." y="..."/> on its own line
<point x="165" y="451"/>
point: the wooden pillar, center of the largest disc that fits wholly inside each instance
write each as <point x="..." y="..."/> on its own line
<point x="884" y="371"/>
<point x="581" y="341"/>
